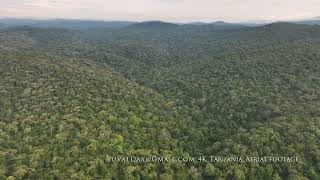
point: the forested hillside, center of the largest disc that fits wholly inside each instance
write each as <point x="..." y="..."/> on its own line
<point x="61" y="117"/>
<point x="71" y="98"/>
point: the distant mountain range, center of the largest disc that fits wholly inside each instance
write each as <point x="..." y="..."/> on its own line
<point x="90" y="24"/>
<point x="154" y="24"/>
<point x="63" y="23"/>
<point x="312" y="21"/>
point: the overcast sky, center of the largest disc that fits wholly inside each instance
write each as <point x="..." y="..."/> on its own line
<point x="166" y="10"/>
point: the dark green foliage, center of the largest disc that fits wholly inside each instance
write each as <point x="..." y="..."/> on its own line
<point x="68" y="99"/>
<point x="61" y="118"/>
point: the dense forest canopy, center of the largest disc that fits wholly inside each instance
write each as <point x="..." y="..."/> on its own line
<point x="72" y="97"/>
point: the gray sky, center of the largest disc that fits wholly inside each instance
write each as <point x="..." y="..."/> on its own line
<point x="166" y="10"/>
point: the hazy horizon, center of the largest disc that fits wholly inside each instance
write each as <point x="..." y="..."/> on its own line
<point x="163" y="10"/>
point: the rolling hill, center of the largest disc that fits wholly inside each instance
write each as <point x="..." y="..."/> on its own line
<point x="63" y="115"/>
<point x="71" y="98"/>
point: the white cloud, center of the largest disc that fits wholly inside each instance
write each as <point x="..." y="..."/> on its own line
<point x="169" y="10"/>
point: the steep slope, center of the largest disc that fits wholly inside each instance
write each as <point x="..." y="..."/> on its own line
<point x="62" y="118"/>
